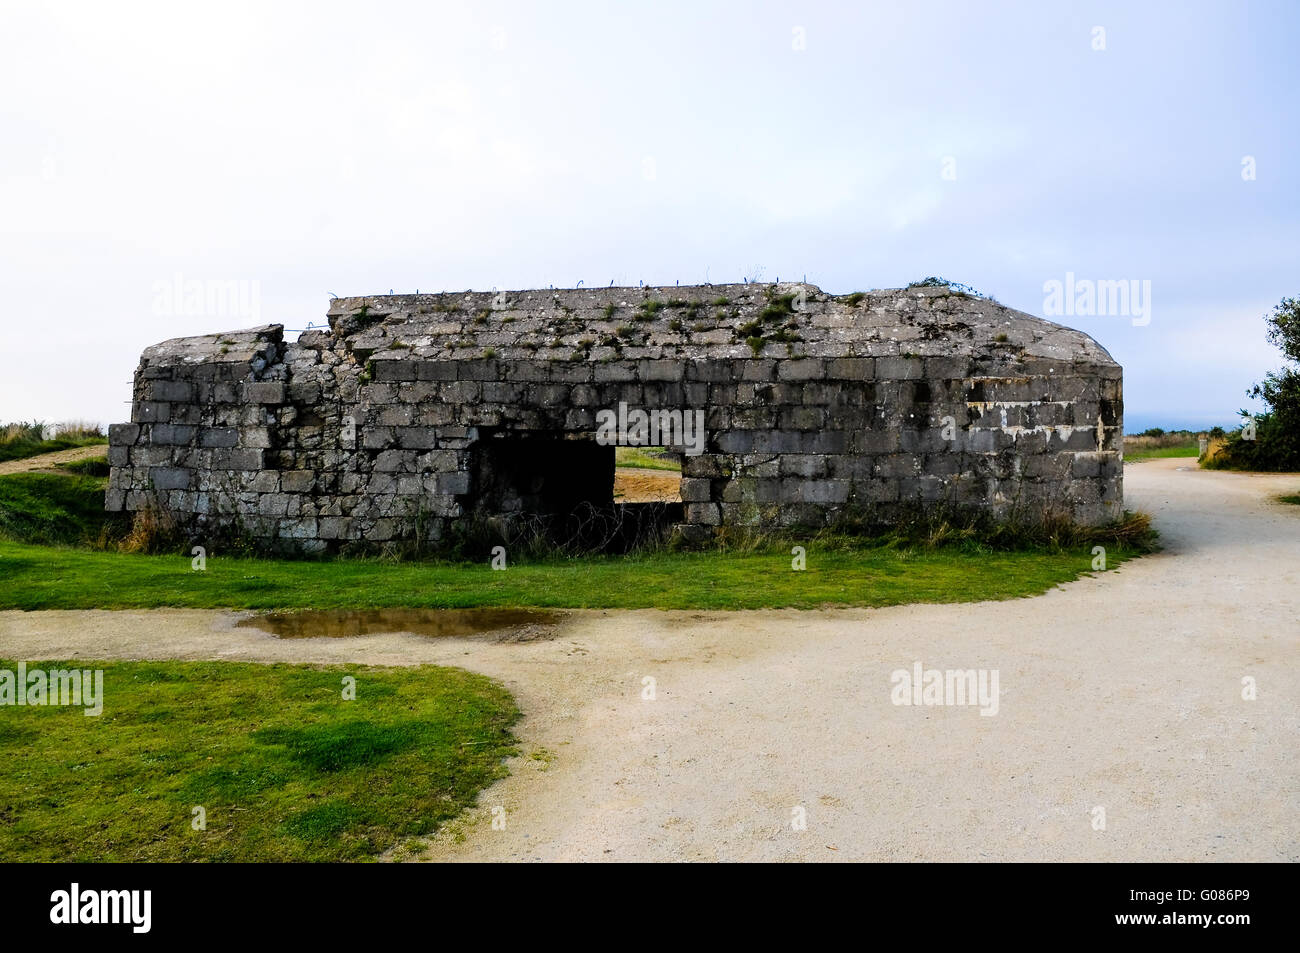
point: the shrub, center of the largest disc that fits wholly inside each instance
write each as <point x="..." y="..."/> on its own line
<point x="1276" y="446"/>
<point x="1276" y="443"/>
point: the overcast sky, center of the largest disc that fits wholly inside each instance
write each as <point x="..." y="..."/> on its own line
<point x="303" y="149"/>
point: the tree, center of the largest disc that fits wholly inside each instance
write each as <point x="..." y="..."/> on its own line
<point x="1276" y="443"/>
<point x="1284" y="329"/>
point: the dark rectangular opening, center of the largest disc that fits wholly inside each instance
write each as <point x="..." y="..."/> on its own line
<point x="533" y="485"/>
<point x="541" y="474"/>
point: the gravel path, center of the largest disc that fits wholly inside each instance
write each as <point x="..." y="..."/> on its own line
<point x="633" y="485"/>
<point x="45" y="462"/>
<point x="1120" y="692"/>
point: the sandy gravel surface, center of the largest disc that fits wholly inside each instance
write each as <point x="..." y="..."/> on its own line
<point x="632" y="485"/>
<point x="1121" y="691"/>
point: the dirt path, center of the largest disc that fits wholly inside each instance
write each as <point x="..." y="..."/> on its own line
<point x="634" y="485"/>
<point x="1121" y="692"/>
<point x="45" y="462"/>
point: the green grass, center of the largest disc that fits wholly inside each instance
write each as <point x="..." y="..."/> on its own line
<point x="42" y="577"/>
<point x="285" y="769"/>
<point x="22" y="440"/>
<point x="42" y="515"/>
<point x="1293" y="498"/>
<point x="643" y="460"/>
<point x="1160" y="453"/>
<point x="54" y="508"/>
<point x="91" y="466"/>
<point x="22" y="449"/>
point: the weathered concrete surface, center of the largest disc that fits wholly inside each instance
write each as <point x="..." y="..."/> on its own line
<point x="817" y="409"/>
<point x="1120" y="691"/>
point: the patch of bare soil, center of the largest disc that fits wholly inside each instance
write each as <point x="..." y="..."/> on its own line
<point x="647" y="486"/>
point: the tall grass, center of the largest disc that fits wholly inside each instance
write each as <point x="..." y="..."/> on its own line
<point x="1138" y="443"/>
<point x="30" y="438"/>
<point x="968" y="530"/>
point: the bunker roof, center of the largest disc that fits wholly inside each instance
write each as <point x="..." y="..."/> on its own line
<point x="698" y="322"/>
<point x="686" y="323"/>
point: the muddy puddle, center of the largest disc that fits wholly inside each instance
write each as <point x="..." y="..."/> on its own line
<point x="497" y="625"/>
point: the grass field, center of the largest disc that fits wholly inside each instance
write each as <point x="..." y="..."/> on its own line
<point x="22" y="440"/>
<point x="643" y="460"/>
<point x="91" y="467"/>
<point x="1160" y="453"/>
<point x="284" y="768"/>
<point x="1159" y="444"/>
<point x="55" y="508"/>
<point x="44" y="577"/>
<point x="47" y="520"/>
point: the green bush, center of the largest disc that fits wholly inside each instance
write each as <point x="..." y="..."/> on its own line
<point x="1276" y="443"/>
<point x="1276" y="446"/>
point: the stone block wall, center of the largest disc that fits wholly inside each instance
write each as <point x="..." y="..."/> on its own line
<point x="817" y="408"/>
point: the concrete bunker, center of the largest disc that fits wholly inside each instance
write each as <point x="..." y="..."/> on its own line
<point x="413" y="416"/>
